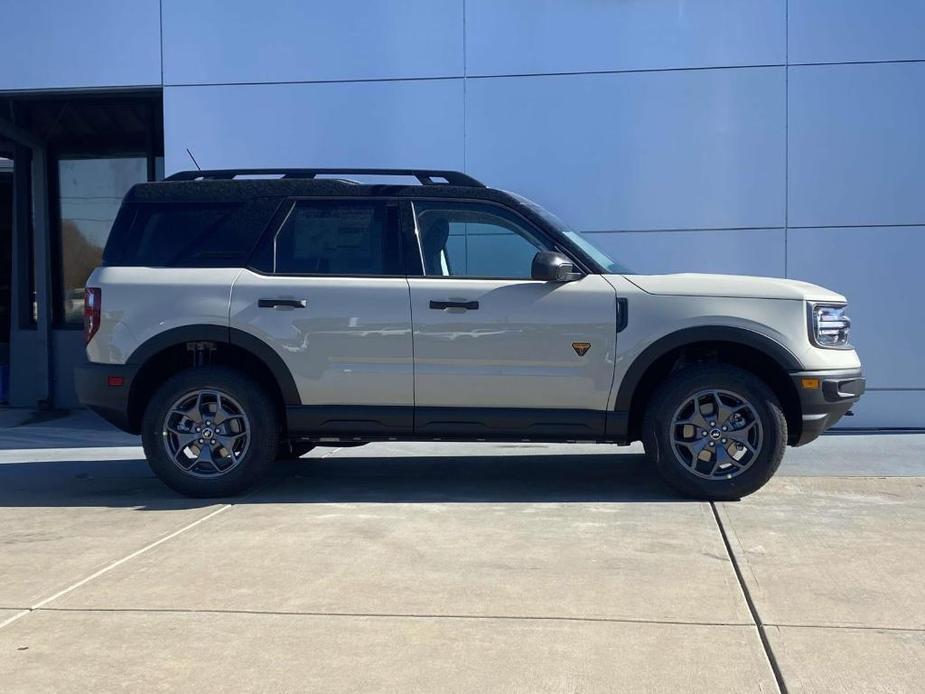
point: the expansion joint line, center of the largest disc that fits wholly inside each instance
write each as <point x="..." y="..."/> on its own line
<point x="756" y="618"/>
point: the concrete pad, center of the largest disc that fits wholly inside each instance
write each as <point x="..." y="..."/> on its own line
<point x="62" y="522"/>
<point x="56" y="429"/>
<point x="518" y="536"/>
<point x="849" y="660"/>
<point x="833" y="552"/>
<point x="8" y="614"/>
<point x="12" y="417"/>
<point x="59" y="455"/>
<point x="858" y="455"/>
<point x="190" y="652"/>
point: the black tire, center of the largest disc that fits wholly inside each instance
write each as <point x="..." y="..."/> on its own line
<point x="676" y="463"/>
<point x="291" y="450"/>
<point x="257" y="451"/>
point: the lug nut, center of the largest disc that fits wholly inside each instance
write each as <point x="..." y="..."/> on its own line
<point x="712" y="424"/>
<point x="200" y="441"/>
<point x="198" y="429"/>
<point x="725" y="428"/>
<point x="724" y="440"/>
<point x="712" y="444"/>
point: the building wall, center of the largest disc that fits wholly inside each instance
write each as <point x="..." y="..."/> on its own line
<point x="59" y="44"/>
<point x="767" y="137"/>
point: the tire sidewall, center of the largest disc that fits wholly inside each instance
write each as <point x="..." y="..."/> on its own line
<point x="264" y="433"/>
<point x="677" y="390"/>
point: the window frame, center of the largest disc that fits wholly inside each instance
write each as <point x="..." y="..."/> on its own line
<point x="287" y="207"/>
<point x="542" y="234"/>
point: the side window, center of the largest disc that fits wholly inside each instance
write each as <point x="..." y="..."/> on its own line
<point x="461" y="239"/>
<point x="180" y="235"/>
<point x="338" y="237"/>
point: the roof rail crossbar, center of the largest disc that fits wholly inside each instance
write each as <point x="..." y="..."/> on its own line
<point x="425" y="176"/>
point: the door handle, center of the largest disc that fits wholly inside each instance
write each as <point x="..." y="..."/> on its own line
<point x="282" y="303"/>
<point x="467" y="305"/>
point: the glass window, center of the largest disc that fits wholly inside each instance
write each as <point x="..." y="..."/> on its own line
<point x="475" y="240"/>
<point x="335" y="237"/>
<point x="90" y="193"/>
<point x="179" y="235"/>
<point x="596" y="254"/>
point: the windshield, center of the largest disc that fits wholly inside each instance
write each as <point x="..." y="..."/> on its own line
<point x="582" y="242"/>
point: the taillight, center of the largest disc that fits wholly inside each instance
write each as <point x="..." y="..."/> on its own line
<point x="92" y="303"/>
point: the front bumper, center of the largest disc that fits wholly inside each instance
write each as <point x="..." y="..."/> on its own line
<point x="824" y="405"/>
<point x="95" y="390"/>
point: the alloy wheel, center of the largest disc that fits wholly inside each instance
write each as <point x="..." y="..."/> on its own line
<point x="716" y="434"/>
<point x="206" y="433"/>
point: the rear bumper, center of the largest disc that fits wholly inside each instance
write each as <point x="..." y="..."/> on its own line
<point x="95" y="392"/>
<point x="824" y="405"/>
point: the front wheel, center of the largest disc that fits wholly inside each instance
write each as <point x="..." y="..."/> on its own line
<point x="715" y="432"/>
<point x="210" y="432"/>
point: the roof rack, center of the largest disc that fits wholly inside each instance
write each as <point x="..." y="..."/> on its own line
<point x="425" y="176"/>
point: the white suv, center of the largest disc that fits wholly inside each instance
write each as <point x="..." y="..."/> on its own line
<point x="238" y="318"/>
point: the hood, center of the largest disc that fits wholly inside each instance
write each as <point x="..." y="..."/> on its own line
<point x="738" y="286"/>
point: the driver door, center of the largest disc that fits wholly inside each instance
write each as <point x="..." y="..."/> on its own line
<point x="496" y="353"/>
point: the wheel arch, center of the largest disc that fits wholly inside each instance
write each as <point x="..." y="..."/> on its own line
<point x="747" y="349"/>
<point x="173" y="350"/>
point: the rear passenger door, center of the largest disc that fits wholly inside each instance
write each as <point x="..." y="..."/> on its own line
<point x="327" y="291"/>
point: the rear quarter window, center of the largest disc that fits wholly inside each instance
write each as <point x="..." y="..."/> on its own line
<point x="186" y="234"/>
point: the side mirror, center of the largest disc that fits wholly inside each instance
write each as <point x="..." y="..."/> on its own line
<point x="550" y="266"/>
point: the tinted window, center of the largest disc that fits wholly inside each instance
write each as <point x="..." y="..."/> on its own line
<point x="338" y="238"/>
<point x="475" y="240"/>
<point x="186" y="234"/>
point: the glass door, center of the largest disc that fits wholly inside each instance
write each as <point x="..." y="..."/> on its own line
<point x="90" y="192"/>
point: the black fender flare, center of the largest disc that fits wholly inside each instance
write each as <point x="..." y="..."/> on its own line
<point x="221" y="334"/>
<point x="707" y="333"/>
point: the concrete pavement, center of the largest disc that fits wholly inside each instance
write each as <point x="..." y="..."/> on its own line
<point x="460" y="567"/>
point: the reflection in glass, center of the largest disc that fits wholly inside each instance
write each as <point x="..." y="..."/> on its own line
<point x="91" y="191"/>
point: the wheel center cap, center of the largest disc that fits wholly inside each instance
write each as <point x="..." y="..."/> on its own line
<point x="207" y="433"/>
<point x="715" y="433"/>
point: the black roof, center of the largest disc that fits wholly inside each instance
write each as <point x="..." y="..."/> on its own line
<point x="229" y="185"/>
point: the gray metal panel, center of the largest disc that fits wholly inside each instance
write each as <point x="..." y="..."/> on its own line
<point x="857" y="145"/>
<point x="880" y="271"/>
<point x="523" y="36"/>
<point x="749" y="252"/>
<point x="369" y="124"/>
<point x="220" y="41"/>
<point x="636" y="151"/>
<point x="828" y="31"/>
<point x="890" y="409"/>
<point x="106" y="43"/>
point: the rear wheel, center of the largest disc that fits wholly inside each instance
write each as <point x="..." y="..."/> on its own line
<point x="210" y="432"/>
<point x="715" y="432"/>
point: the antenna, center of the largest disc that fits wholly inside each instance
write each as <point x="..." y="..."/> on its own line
<point x="194" y="159"/>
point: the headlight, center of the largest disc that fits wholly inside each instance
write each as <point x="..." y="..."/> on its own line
<point x="829" y="325"/>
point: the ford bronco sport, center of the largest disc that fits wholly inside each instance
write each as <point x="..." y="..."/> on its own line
<point x="238" y="318"/>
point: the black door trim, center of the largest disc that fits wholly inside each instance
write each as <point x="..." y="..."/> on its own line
<point x="349" y="420"/>
<point x="503" y="422"/>
<point x="376" y="422"/>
